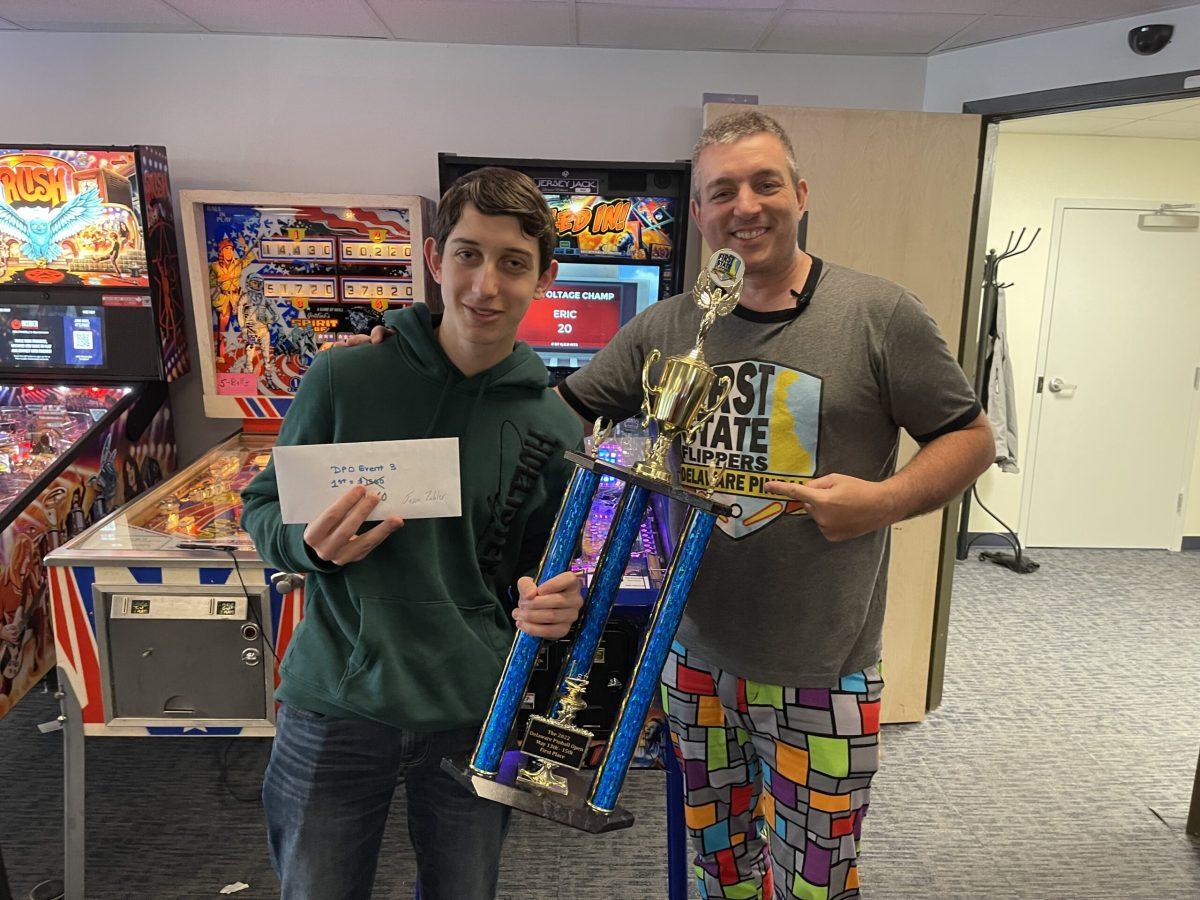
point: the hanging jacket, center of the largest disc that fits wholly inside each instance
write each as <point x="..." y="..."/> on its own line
<point x="1001" y="400"/>
<point x="413" y="635"/>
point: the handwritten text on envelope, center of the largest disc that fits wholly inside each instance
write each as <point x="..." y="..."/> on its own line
<point x="416" y="479"/>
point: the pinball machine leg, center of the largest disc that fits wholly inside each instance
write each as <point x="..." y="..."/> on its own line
<point x="74" y="835"/>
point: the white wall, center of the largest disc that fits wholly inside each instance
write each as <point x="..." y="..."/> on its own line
<point x="339" y="115"/>
<point x="1070" y="56"/>
<point x="1032" y="171"/>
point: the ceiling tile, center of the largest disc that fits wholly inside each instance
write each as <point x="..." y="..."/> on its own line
<point x="995" y="28"/>
<point x="90" y="15"/>
<point x="1095" y="9"/>
<point x="1128" y="111"/>
<point x="609" y="25"/>
<point x="899" y="6"/>
<point x="870" y="33"/>
<point x="1067" y="123"/>
<point x="540" y="22"/>
<point x="697" y="4"/>
<point x="1180" y="111"/>
<point x="1156" y="128"/>
<point x="1134" y="111"/>
<point x="1089" y="10"/>
<point x="336" y="18"/>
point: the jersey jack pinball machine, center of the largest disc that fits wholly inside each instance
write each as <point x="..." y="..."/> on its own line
<point x="91" y="331"/>
<point x="170" y="586"/>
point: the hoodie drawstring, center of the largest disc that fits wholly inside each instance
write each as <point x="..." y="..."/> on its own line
<point x="484" y="383"/>
<point x="437" y="410"/>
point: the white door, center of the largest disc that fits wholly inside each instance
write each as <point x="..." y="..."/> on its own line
<point x="1112" y="429"/>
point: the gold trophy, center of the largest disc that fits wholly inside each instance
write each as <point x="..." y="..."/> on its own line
<point x="687" y="395"/>
<point x="682" y="402"/>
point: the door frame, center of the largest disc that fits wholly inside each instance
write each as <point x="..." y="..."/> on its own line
<point x="1035" y="413"/>
<point x="1170" y="86"/>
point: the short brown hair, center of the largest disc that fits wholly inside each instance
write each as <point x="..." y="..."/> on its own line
<point x="732" y="128"/>
<point x="498" y="192"/>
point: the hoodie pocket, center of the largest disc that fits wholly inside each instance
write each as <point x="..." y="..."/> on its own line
<point x="425" y="665"/>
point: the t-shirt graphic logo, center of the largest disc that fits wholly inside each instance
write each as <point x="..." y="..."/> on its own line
<point x="767" y="430"/>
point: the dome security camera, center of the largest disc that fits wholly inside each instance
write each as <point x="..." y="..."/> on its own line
<point x="1149" y="39"/>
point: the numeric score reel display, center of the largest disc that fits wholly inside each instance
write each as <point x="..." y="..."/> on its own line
<point x="375" y="251"/>
<point x="287" y="250"/>
<point x="363" y="290"/>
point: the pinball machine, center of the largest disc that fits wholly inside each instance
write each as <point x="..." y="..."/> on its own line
<point x="273" y="279"/>
<point x="170" y="586"/>
<point x="91" y="332"/>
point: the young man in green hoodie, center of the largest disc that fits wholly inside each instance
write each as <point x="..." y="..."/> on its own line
<point x="405" y="628"/>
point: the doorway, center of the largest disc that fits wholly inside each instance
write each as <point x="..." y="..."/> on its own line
<point x="1113" y="418"/>
<point x="1082" y="464"/>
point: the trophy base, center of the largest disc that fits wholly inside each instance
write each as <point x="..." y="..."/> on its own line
<point x="569" y="809"/>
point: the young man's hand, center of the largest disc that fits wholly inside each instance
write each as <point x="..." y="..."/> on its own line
<point x="378" y="335"/>
<point x="548" y="611"/>
<point x="333" y="534"/>
<point x="843" y="507"/>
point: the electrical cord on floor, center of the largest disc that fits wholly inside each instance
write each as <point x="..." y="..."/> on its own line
<point x="1016" y="561"/>
<point x="1010" y="538"/>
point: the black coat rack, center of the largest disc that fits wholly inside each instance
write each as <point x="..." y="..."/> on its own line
<point x="1016" y="560"/>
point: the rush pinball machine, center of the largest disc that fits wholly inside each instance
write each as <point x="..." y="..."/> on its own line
<point x="621" y="241"/>
<point x="91" y="331"/>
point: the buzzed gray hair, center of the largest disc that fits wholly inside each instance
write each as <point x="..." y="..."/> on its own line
<point x="732" y="128"/>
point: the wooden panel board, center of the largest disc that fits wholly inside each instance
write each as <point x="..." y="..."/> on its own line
<point x="892" y="193"/>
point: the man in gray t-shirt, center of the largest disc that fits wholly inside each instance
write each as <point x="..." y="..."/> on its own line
<point x="773" y="681"/>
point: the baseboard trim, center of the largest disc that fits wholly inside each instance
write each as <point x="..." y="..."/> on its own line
<point x="996" y="539"/>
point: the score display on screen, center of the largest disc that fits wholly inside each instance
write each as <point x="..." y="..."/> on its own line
<point x="51" y="336"/>
<point x="576" y="315"/>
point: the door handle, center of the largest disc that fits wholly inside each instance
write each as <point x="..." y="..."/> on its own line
<point x="1057" y="384"/>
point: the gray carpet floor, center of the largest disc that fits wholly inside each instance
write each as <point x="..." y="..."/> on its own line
<point x="1059" y="766"/>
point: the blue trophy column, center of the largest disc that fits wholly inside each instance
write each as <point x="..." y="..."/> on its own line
<point x="605" y="583"/>
<point x="563" y="539"/>
<point x="663" y="623"/>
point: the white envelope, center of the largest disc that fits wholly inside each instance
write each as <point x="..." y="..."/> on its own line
<point x="418" y="479"/>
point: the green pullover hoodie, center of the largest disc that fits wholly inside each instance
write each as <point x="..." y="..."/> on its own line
<point x="414" y="634"/>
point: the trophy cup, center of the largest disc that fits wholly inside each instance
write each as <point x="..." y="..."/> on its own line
<point x="549" y="783"/>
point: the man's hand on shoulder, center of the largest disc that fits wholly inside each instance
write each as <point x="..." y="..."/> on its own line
<point x="842" y="506"/>
<point x="378" y="335"/>
<point x="548" y="610"/>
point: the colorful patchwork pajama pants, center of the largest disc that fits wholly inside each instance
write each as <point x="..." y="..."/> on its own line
<point x="813" y="750"/>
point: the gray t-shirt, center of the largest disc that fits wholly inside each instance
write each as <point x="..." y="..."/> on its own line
<point x="822" y="388"/>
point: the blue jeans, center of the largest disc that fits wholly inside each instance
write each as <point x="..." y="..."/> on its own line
<point x="326" y="794"/>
